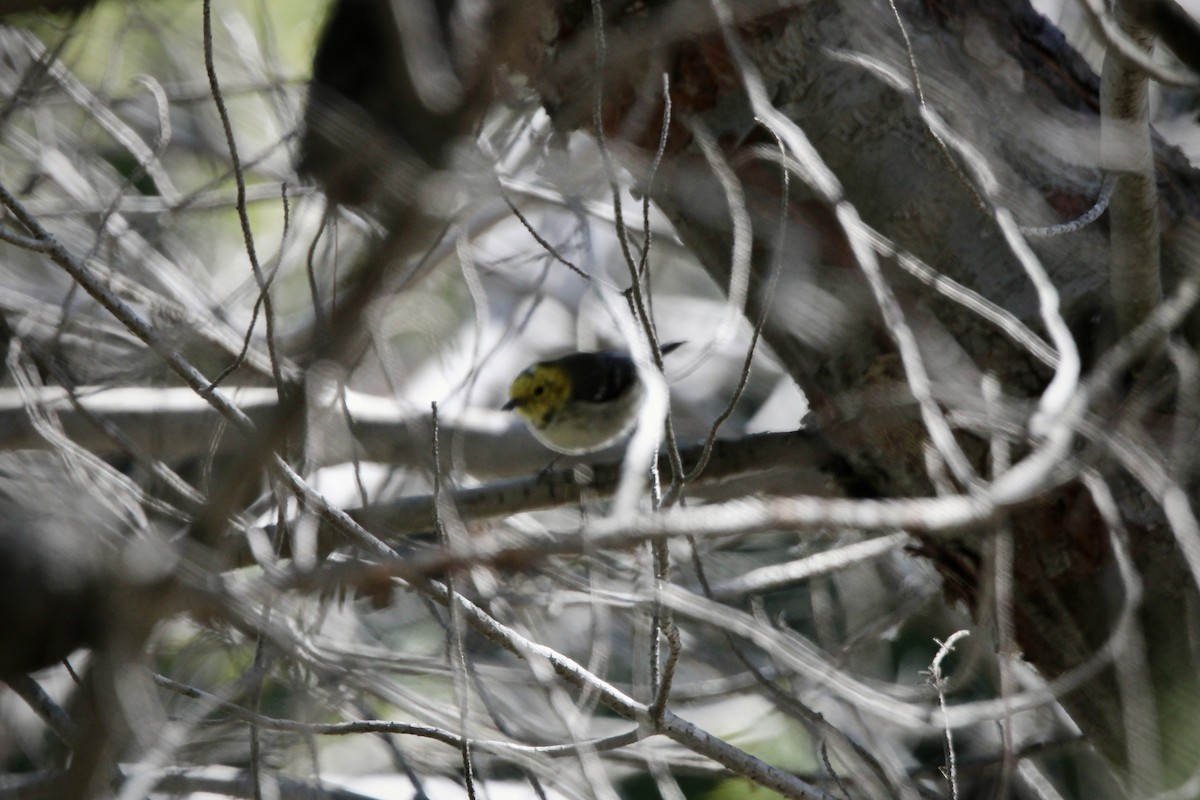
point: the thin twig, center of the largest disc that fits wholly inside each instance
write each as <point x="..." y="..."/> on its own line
<point x="542" y="242"/>
<point x="44" y="706"/>
<point x="1080" y="222"/>
<point x="939" y="684"/>
<point x="915" y="75"/>
<point x="265" y="722"/>
<point x="767" y="296"/>
<point x="456" y="626"/>
<point x="679" y="730"/>
<point x="240" y="181"/>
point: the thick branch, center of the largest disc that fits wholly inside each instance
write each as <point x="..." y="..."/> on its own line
<point x="1134" y="282"/>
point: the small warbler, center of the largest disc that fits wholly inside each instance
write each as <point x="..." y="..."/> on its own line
<point x="581" y="402"/>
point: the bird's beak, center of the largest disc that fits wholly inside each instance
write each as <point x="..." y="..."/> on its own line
<point x="510" y="405"/>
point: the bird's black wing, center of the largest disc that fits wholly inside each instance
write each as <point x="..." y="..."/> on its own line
<point x="599" y="377"/>
<point x="603" y="376"/>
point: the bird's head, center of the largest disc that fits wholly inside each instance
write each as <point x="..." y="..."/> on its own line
<point x="539" y="393"/>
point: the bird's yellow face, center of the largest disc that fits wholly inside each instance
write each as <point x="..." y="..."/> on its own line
<point x="539" y="393"/>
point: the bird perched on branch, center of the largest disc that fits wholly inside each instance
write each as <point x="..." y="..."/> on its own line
<point x="581" y="402"/>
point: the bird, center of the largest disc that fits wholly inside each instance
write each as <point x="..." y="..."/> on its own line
<point x="581" y="402"/>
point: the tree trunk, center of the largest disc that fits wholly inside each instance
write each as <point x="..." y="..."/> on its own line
<point x="1016" y="99"/>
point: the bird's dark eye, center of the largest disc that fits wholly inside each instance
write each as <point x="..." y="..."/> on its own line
<point x="539" y="391"/>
